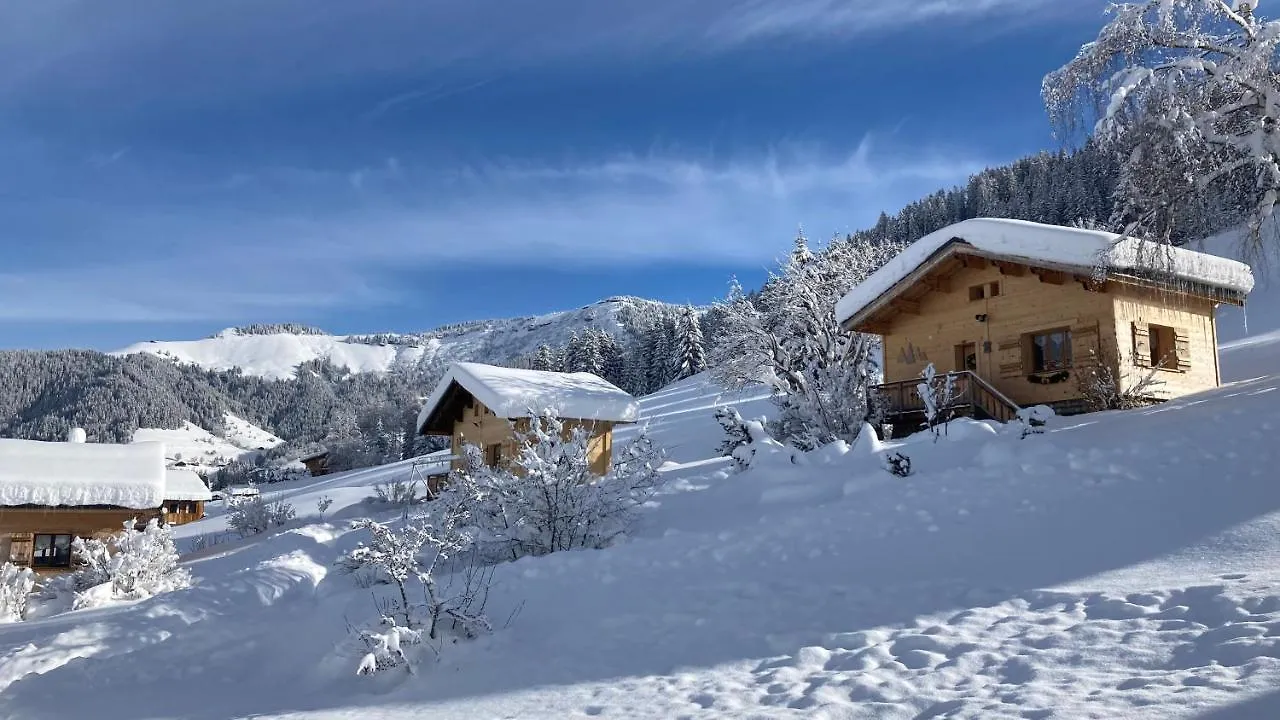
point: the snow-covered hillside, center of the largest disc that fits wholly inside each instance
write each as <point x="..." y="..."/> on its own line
<point x="1121" y="565"/>
<point x="277" y="355"/>
<point x="203" y="451"/>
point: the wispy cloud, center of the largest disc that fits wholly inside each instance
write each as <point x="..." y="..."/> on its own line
<point x="212" y="48"/>
<point x="631" y="210"/>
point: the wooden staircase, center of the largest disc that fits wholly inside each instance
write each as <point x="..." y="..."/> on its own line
<point x="971" y="397"/>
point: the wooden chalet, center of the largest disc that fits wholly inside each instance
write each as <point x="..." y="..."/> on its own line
<point x="317" y="463"/>
<point x="489" y="406"/>
<point x="53" y="492"/>
<point x="1018" y="310"/>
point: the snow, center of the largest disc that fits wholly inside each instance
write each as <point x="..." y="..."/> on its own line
<point x="1120" y="565"/>
<point x="203" y="451"/>
<point x="75" y="474"/>
<point x="1052" y="247"/>
<point x="278" y="356"/>
<point x="511" y="393"/>
<point x="182" y="484"/>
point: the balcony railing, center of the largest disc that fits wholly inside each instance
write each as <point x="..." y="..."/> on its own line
<point x="970" y="395"/>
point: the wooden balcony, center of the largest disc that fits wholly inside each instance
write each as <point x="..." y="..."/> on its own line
<point x="971" y="397"/>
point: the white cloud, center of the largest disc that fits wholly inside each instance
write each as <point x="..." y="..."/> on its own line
<point x="645" y="212"/>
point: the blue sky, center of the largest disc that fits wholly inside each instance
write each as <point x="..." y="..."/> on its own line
<point x="173" y="168"/>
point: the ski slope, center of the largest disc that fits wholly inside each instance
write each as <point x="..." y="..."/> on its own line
<point x="1121" y="565"/>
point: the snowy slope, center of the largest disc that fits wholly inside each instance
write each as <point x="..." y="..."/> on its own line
<point x="277" y="355"/>
<point x="202" y="450"/>
<point x="1122" y="565"/>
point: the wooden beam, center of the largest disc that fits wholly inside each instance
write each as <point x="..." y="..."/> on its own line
<point x="880" y="327"/>
<point x="973" y="262"/>
<point x="1053" y="277"/>
<point x="938" y="283"/>
<point x="1011" y="268"/>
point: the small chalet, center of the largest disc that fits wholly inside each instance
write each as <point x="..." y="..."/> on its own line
<point x="52" y="492"/>
<point x="317" y="463"/>
<point x="487" y="406"/>
<point x="1017" y="309"/>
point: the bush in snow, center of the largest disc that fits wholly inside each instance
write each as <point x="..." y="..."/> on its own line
<point x="937" y="394"/>
<point x="16" y="585"/>
<point x="1103" y="388"/>
<point x="397" y="492"/>
<point x="254" y="515"/>
<point x="136" y="563"/>
<point x="323" y="504"/>
<point x="898" y="464"/>
<point x="386" y="647"/>
<point x="788" y="339"/>
<point x="736" y="435"/>
<point x="409" y="556"/>
<point x="550" y="499"/>
<point x="1033" y="419"/>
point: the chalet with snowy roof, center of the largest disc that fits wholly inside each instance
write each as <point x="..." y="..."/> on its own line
<point x="488" y="406"/>
<point x="1023" y="313"/>
<point x="52" y="492"/>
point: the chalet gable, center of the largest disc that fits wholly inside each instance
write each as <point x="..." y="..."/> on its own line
<point x="1053" y="254"/>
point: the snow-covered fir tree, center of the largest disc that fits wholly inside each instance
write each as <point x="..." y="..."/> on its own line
<point x="789" y="339"/>
<point x="691" y="354"/>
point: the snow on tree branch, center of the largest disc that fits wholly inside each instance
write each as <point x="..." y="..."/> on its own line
<point x="1187" y="91"/>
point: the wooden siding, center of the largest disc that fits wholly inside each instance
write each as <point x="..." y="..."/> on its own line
<point x="479" y="426"/>
<point x="18" y="525"/>
<point x="1194" y="356"/>
<point x="946" y="318"/>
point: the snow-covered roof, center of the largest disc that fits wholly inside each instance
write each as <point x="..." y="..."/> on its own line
<point x="185" y="485"/>
<point x="1050" y="247"/>
<point x="73" y="474"/>
<point x="511" y="393"/>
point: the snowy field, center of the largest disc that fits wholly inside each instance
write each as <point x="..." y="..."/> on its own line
<point x="1122" y="565"/>
<point x="203" y="451"/>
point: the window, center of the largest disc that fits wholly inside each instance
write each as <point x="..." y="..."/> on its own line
<point x="1164" y="352"/>
<point x="1050" y="351"/>
<point x="993" y="289"/>
<point x="493" y="455"/>
<point x="977" y="292"/>
<point x="51" y="551"/>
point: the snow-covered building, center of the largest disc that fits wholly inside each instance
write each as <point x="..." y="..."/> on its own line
<point x="488" y="406"/>
<point x="1027" y="313"/>
<point x="52" y="492"/>
<point x="317" y="463"/>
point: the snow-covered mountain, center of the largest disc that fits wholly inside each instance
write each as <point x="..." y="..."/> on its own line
<point x="276" y="354"/>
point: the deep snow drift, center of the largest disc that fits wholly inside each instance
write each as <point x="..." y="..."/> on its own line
<point x="1120" y="565"/>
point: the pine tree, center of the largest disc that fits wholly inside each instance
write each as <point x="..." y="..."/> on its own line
<point x="691" y="356"/>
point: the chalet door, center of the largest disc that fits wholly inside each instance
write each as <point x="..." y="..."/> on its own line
<point x="967" y="357"/>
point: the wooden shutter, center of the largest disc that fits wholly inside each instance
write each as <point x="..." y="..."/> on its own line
<point x="1010" y="358"/>
<point x="1141" y="345"/>
<point x="1182" y="348"/>
<point x="1085" y="350"/>
<point x="20" y="548"/>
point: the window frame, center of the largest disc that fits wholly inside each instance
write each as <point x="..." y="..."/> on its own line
<point x="37" y="561"/>
<point x="1168" y="360"/>
<point x="978" y="292"/>
<point x="1043" y="366"/>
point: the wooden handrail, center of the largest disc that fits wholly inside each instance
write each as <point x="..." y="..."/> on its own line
<point x="968" y="390"/>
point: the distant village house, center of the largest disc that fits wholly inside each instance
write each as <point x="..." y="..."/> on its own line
<point x="489" y="406"/>
<point x="52" y="492"/>
<point x="317" y="463"/>
<point x="1018" y="309"/>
